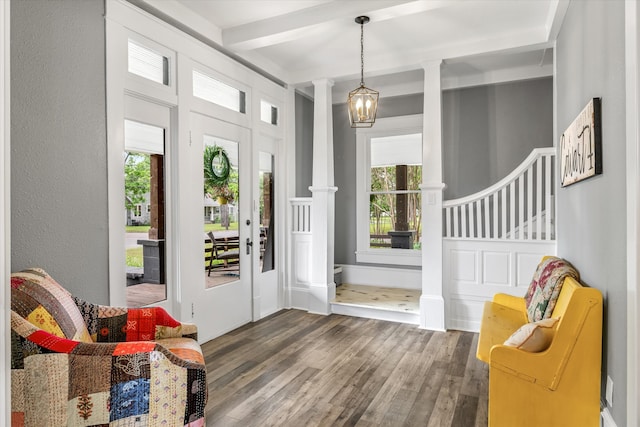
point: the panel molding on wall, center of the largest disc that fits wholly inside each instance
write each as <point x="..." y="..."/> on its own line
<point x="476" y="270"/>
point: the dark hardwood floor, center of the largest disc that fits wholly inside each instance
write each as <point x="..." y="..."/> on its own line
<point x="299" y="369"/>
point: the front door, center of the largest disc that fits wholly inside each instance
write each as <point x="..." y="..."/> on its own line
<point x="219" y="228"/>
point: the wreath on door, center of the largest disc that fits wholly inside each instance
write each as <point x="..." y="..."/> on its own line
<point x="216" y="166"/>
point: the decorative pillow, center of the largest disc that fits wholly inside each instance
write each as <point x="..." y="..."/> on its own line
<point x="533" y="337"/>
<point x="545" y="287"/>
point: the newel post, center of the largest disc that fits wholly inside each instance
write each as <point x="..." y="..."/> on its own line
<point x="322" y="288"/>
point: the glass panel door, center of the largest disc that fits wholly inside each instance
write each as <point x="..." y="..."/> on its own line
<point x="217" y="227"/>
<point x="267" y="295"/>
<point x="221" y="201"/>
<point x="266" y="212"/>
<point x="145" y="139"/>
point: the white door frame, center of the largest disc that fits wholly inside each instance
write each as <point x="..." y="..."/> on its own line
<point x="632" y="59"/>
<point x="5" y="212"/>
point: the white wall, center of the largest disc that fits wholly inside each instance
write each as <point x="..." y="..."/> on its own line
<point x="58" y="156"/>
<point x="591" y="221"/>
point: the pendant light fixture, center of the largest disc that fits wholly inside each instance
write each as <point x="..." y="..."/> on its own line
<point x="362" y="102"/>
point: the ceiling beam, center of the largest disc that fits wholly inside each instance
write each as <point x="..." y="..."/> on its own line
<point x="392" y="62"/>
<point x="178" y="12"/>
<point x="301" y="23"/>
<point x="557" y="11"/>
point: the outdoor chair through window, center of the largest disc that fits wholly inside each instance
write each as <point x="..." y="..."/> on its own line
<point x="225" y="250"/>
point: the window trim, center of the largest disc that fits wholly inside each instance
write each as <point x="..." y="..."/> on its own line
<point x="401" y="125"/>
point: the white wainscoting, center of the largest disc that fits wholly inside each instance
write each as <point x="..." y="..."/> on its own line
<point x="475" y="270"/>
<point x="607" y="419"/>
<point x="382" y="276"/>
<point x="300" y="252"/>
<point x="301" y="256"/>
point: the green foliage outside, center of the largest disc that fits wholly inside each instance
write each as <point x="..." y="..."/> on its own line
<point x="137" y="178"/>
<point x="137" y="228"/>
<point x="382" y="207"/>
<point x="134" y="257"/>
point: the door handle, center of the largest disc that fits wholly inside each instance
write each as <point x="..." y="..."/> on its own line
<point x="249" y="245"/>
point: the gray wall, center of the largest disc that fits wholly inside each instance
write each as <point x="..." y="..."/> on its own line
<point x="304" y="145"/>
<point x="58" y="143"/>
<point x="489" y="130"/>
<point x="344" y="152"/>
<point x="592" y="214"/>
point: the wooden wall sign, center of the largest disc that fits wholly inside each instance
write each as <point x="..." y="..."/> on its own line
<point x="581" y="146"/>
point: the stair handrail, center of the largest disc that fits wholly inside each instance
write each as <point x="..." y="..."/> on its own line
<point x="526" y="163"/>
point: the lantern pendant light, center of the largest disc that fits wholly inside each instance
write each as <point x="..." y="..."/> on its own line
<point x="362" y="102"/>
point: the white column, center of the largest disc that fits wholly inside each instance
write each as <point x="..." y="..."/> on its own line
<point x="290" y="189"/>
<point x="322" y="288"/>
<point x="432" y="306"/>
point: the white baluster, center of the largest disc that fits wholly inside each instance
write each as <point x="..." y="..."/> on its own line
<point x="530" y="204"/>
<point x="539" y="196"/>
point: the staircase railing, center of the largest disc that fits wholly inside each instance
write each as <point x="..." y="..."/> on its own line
<point x="519" y="207"/>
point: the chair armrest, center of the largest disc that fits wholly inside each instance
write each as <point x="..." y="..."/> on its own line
<point x="539" y="368"/>
<point x="118" y="324"/>
<point x="517" y="303"/>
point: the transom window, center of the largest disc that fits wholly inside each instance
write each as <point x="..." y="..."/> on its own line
<point x="147" y="63"/>
<point x="268" y="112"/>
<point x="215" y="91"/>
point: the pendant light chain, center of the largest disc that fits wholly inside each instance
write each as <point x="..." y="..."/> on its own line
<point x="362" y="102"/>
<point x="361" y="53"/>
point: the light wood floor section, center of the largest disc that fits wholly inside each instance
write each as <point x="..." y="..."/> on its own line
<point x="298" y="369"/>
<point x="393" y="299"/>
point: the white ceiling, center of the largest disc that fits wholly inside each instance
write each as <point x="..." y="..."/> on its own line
<point x="297" y="41"/>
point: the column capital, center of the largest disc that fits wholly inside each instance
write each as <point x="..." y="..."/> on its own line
<point x="323" y="82"/>
<point x="427" y="186"/>
<point x="432" y="63"/>
<point x="323" y="189"/>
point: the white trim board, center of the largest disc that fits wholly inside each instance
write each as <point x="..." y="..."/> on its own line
<point x="401" y="278"/>
<point x="632" y="73"/>
<point x="375" y="313"/>
<point x="607" y="419"/>
<point x="5" y="210"/>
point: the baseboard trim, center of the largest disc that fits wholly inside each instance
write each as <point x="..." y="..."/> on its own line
<point x="432" y="313"/>
<point x="300" y="298"/>
<point x="607" y="419"/>
<point x="374" y="313"/>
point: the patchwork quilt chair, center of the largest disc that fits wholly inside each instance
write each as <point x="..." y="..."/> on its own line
<point x="79" y="364"/>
